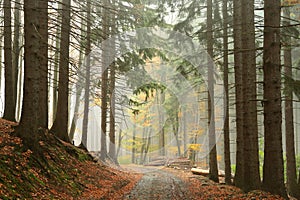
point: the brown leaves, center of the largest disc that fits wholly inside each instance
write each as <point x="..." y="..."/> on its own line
<point x="58" y="174"/>
<point x="202" y="188"/>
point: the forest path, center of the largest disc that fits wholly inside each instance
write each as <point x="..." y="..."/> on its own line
<point x="159" y="184"/>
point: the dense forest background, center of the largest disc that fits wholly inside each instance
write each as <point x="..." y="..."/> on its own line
<point x="214" y="81"/>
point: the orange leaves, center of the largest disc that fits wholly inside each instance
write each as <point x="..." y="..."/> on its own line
<point x="57" y="175"/>
<point x="201" y="188"/>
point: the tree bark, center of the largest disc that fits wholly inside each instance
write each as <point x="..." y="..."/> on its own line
<point x="56" y="67"/>
<point x="291" y="173"/>
<point x="16" y="50"/>
<point x="43" y="51"/>
<point x="60" y="125"/>
<point x="273" y="179"/>
<point x="237" y="32"/>
<point x="30" y="117"/>
<point x="112" y="117"/>
<point x="10" y="72"/>
<point x="104" y="80"/>
<point x="250" y="129"/>
<point x="84" y="139"/>
<point x="213" y="163"/>
<point x="226" y="97"/>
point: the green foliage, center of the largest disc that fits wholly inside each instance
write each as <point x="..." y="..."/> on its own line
<point x="149" y="89"/>
<point x="233" y="168"/>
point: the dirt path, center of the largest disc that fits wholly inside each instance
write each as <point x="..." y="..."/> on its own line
<point x="159" y="184"/>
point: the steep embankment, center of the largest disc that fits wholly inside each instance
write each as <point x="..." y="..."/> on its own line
<point x="62" y="172"/>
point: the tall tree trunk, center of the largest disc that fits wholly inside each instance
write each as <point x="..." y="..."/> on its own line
<point x="16" y="56"/>
<point x="16" y="49"/>
<point x="112" y="136"/>
<point x="112" y="117"/>
<point x="30" y="117"/>
<point x="60" y="125"/>
<point x="226" y="97"/>
<point x="43" y="51"/>
<point x="237" y="32"/>
<point x="213" y="163"/>
<point x="10" y="72"/>
<point x="56" y="68"/>
<point x="104" y="80"/>
<point x="273" y="180"/>
<point x="250" y="129"/>
<point x="84" y="139"/>
<point x="20" y="84"/>
<point x="161" y="100"/>
<point x="291" y="173"/>
<point x="78" y="83"/>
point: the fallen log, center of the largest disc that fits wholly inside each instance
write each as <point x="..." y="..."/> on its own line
<point x="205" y="172"/>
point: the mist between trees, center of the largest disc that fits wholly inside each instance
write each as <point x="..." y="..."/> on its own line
<point x="133" y="81"/>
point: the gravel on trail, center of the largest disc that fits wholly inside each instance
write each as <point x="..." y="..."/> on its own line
<point x="159" y="184"/>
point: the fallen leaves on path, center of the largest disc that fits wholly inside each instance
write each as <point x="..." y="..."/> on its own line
<point x="201" y="188"/>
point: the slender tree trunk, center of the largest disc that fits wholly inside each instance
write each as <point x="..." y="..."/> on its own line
<point x="76" y="110"/>
<point x="147" y="146"/>
<point x="161" y="100"/>
<point x="226" y="97"/>
<point x="273" y="180"/>
<point x="112" y="136"/>
<point x="133" y="144"/>
<point x="213" y="163"/>
<point x="292" y="186"/>
<point x="120" y="138"/>
<point x="79" y="87"/>
<point x="112" y="117"/>
<point x="43" y="51"/>
<point x="60" y="125"/>
<point x="237" y="32"/>
<point x="16" y="49"/>
<point x="185" y="136"/>
<point x="250" y="129"/>
<point x="55" y="72"/>
<point x="104" y="85"/>
<point x="10" y="72"/>
<point x="176" y="132"/>
<point x="20" y="84"/>
<point x="143" y="147"/>
<point x="84" y="139"/>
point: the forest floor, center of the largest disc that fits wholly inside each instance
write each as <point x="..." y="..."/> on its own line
<point x="169" y="183"/>
<point x="67" y="172"/>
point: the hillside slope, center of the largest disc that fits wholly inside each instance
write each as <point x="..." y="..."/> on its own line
<point x="62" y="172"/>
